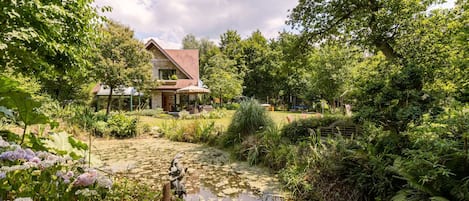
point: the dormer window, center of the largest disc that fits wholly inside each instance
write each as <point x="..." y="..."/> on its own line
<point x="166" y="74"/>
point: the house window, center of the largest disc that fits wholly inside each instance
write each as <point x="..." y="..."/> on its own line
<point x="165" y="74"/>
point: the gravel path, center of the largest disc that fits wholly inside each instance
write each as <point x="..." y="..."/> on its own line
<point x="212" y="175"/>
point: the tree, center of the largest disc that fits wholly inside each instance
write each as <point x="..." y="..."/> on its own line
<point x="331" y="66"/>
<point x="379" y="26"/>
<point x="371" y="23"/>
<point x="190" y="42"/>
<point x="122" y="60"/>
<point x="206" y="48"/>
<point x="222" y="79"/>
<point x="261" y="66"/>
<point x="49" y="40"/>
<point x="231" y="47"/>
<point x="292" y="72"/>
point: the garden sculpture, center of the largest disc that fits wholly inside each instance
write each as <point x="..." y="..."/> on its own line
<point x="176" y="175"/>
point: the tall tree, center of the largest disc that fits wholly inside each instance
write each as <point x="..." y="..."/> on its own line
<point x="206" y="48"/>
<point x="331" y="66"/>
<point x="122" y="60"/>
<point x="231" y="47"/>
<point x="49" y="40"/>
<point x="373" y="23"/>
<point x="379" y="26"/>
<point x="261" y="64"/>
<point x="292" y="72"/>
<point x="190" y="42"/>
<point x="222" y="79"/>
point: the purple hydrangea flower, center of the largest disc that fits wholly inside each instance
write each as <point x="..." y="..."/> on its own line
<point x="67" y="176"/>
<point x="86" y="178"/>
<point x="18" y="154"/>
<point x="35" y="160"/>
<point x="3" y="175"/>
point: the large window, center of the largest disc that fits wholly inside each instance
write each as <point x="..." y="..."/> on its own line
<point x="165" y="74"/>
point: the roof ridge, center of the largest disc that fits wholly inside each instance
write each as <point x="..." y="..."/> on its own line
<point x="151" y="41"/>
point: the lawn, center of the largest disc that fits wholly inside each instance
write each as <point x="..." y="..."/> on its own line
<point x="280" y="118"/>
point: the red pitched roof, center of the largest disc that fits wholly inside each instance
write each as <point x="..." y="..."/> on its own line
<point x="185" y="60"/>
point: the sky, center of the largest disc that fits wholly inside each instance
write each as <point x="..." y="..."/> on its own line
<point x="168" y="21"/>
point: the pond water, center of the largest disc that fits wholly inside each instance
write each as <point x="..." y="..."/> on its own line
<point x="211" y="174"/>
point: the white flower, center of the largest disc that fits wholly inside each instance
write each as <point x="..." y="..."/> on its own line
<point x="3" y="143"/>
<point x="104" y="182"/>
<point x="86" y="192"/>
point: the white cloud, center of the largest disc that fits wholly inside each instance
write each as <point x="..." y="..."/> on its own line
<point x="170" y="21"/>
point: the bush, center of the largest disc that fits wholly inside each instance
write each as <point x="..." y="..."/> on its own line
<point x="249" y="119"/>
<point x="121" y="126"/>
<point x="147" y="112"/>
<point x="34" y="174"/>
<point x="184" y="114"/>
<point x="231" y="106"/>
<point x="198" y="131"/>
<point x="301" y="129"/>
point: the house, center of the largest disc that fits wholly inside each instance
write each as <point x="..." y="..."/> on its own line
<point x="173" y="69"/>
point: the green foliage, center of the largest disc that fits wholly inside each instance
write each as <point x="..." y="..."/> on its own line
<point x="222" y="79"/>
<point x="41" y="175"/>
<point x="128" y="189"/>
<point x="249" y="119"/>
<point x="158" y="112"/>
<point x="122" y="60"/>
<point x="65" y="145"/>
<point x="50" y="41"/>
<point x="121" y="126"/>
<point x="231" y="106"/>
<point x="436" y="161"/>
<point x="198" y="131"/>
<point x="302" y="129"/>
<point x="331" y="66"/>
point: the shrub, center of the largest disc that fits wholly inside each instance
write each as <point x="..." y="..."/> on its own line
<point x="184" y="114"/>
<point x="231" y="106"/>
<point x="435" y="164"/>
<point x="120" y="125"/>
<point x="41" y="175"/>
<point x="301" y="129"/>
<point x="198" y="131"/>
<point x="250" y="118"/>
<point x="147" y="112"/>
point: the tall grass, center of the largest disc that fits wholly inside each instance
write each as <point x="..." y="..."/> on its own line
<point x="249" y="119"/>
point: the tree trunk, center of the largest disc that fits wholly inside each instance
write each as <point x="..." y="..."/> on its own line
<point x="387" y="50"/>
<point x="109" y="99"/>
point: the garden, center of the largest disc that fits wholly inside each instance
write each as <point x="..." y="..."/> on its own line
<point x="370" y="100"/>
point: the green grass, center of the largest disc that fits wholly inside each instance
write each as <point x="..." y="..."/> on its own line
<point x="280" y="118"/>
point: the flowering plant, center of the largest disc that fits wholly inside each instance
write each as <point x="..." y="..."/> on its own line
<point x="43" y="175"/>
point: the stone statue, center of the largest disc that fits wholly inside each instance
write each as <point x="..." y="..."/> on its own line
<point x="176" y="175"/>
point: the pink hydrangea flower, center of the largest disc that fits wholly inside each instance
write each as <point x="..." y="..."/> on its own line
<point x="86" y="178"/>
<point x="35" y="160"/>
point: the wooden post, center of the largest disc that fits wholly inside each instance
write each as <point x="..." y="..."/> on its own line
<point x="166" y="192"/>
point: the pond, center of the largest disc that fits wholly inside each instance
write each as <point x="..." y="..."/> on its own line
<point x="212" y="175"/>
